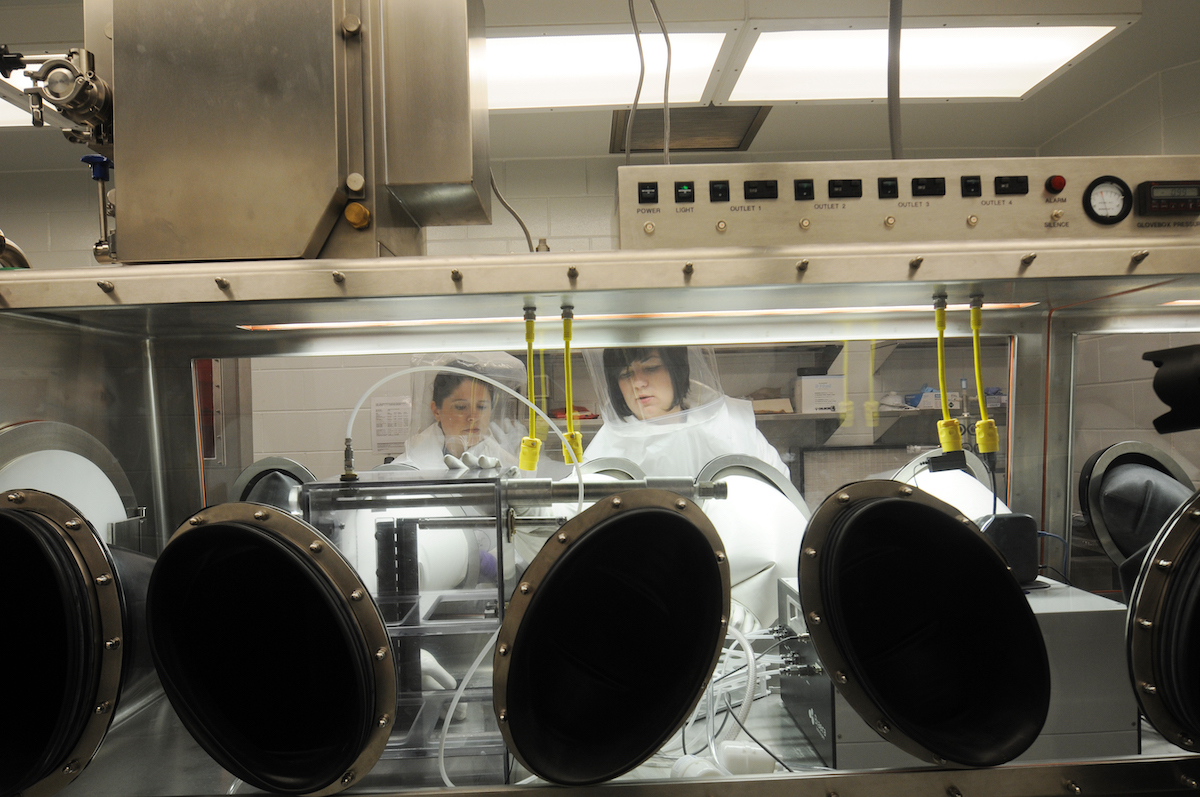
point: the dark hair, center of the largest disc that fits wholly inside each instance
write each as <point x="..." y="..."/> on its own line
<point x="675" y="358"/>
<point x="446" y="383"/>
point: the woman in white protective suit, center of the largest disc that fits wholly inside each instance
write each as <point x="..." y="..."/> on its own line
<point x="664" y="410"/>
<point x="459" y="422"/>
<point x="458" y="416"/>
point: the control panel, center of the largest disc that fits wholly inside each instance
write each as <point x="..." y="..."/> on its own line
<point x="832" y="202"/>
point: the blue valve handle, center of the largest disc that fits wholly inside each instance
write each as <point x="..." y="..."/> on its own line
<point x="100" y="166"/>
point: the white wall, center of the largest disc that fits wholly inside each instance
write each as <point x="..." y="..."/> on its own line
<point x="53" y="216"/>
<point x="302" y="406"/>
<point x="1159" y="116"/>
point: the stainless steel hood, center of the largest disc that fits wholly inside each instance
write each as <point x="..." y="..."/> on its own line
<point x="260" y="130"/>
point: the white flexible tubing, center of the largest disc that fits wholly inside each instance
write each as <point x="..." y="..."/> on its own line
<point x="464" y="372"/>
<point x="709" y="724"/>
<point x="696" y="713"/>
<point x="732" y="729"/>
<point x="458" y="693"/>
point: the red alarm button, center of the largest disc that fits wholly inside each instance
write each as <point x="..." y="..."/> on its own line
<point x="1056" y="183"/>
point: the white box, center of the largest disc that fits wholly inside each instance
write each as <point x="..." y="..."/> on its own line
<point x="817" y="393"/>
<point x="933" y="400"/>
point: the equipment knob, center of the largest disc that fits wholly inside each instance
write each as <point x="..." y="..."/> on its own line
<point x="100" y="166"/>
<point x="10" y="62"/>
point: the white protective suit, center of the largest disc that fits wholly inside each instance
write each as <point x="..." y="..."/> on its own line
<point x="762" y="540"/>
<point x="682" y="449"/>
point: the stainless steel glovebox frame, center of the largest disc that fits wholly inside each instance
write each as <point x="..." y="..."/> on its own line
<point x="149" y="322"/>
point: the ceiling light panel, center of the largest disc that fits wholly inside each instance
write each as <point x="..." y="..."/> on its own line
<point x="935" y="63"/>
<point x="599" y="70"/>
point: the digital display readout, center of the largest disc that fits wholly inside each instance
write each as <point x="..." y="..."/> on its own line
<point x="1174" y="191"/>
<point x="1169" y="198"/>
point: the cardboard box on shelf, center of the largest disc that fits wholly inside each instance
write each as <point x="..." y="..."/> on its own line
<point x="772" y="406"/>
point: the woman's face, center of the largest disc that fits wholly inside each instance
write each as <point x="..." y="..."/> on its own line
<point x="465" y="414"/>
<point x="646" y="386"/>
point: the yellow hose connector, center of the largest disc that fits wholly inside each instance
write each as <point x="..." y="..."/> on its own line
<point x="573" y="452"/>
<point x="949" y="432"/>
<point x="949" y="435"/>
<point x="987" y="437"/>
<point x="531" y="446"/>
<point x="531" y="449"/>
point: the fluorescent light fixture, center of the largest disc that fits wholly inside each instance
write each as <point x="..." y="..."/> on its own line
<point x="934" y="62"/>
<point x="596" y="70"/>
<point x="680" y="315"/>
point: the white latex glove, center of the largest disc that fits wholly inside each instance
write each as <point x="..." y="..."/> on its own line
<point x="434" y="677"/>
<point x="741" y="618"/>
<point x="479" y="461"/>
<point x="453" y="462"/>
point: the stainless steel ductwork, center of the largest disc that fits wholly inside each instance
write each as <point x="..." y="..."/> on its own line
<point x="75" y="610"/>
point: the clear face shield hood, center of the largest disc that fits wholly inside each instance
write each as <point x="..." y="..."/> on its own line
<point x="649" y="391"/>
<point x="455" y="414"/>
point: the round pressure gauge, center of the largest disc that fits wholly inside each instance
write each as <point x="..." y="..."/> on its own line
<point x="1107" y="200"/>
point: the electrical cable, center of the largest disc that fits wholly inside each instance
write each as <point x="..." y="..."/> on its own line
<point x="575" y="438"/>
<point x="895" y="16"/>
<point x="509" y="208"/>
<point x="458" y="693"/>
<point x="1064" y="544"/>
<point x="1066" y="580"/>
<point x="531" y="446"/>
<point x="977" y="313"/>
<point x="987" y="436"/>
<point x="529" y="329"/>
<point x="637" y="95"/>
<point x="545" y="383"/>
<point x="730" y="674"/>
<point x="949" y="433"/>
<point x="940" y="321"/>
<point x="990" y="461"/>
<point x="746" y="731"/>
<point x="666" y="86"/>
<point x="759" y="656"/>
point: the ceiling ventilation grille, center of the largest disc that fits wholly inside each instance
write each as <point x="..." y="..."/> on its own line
<point x="707" y="129"/>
